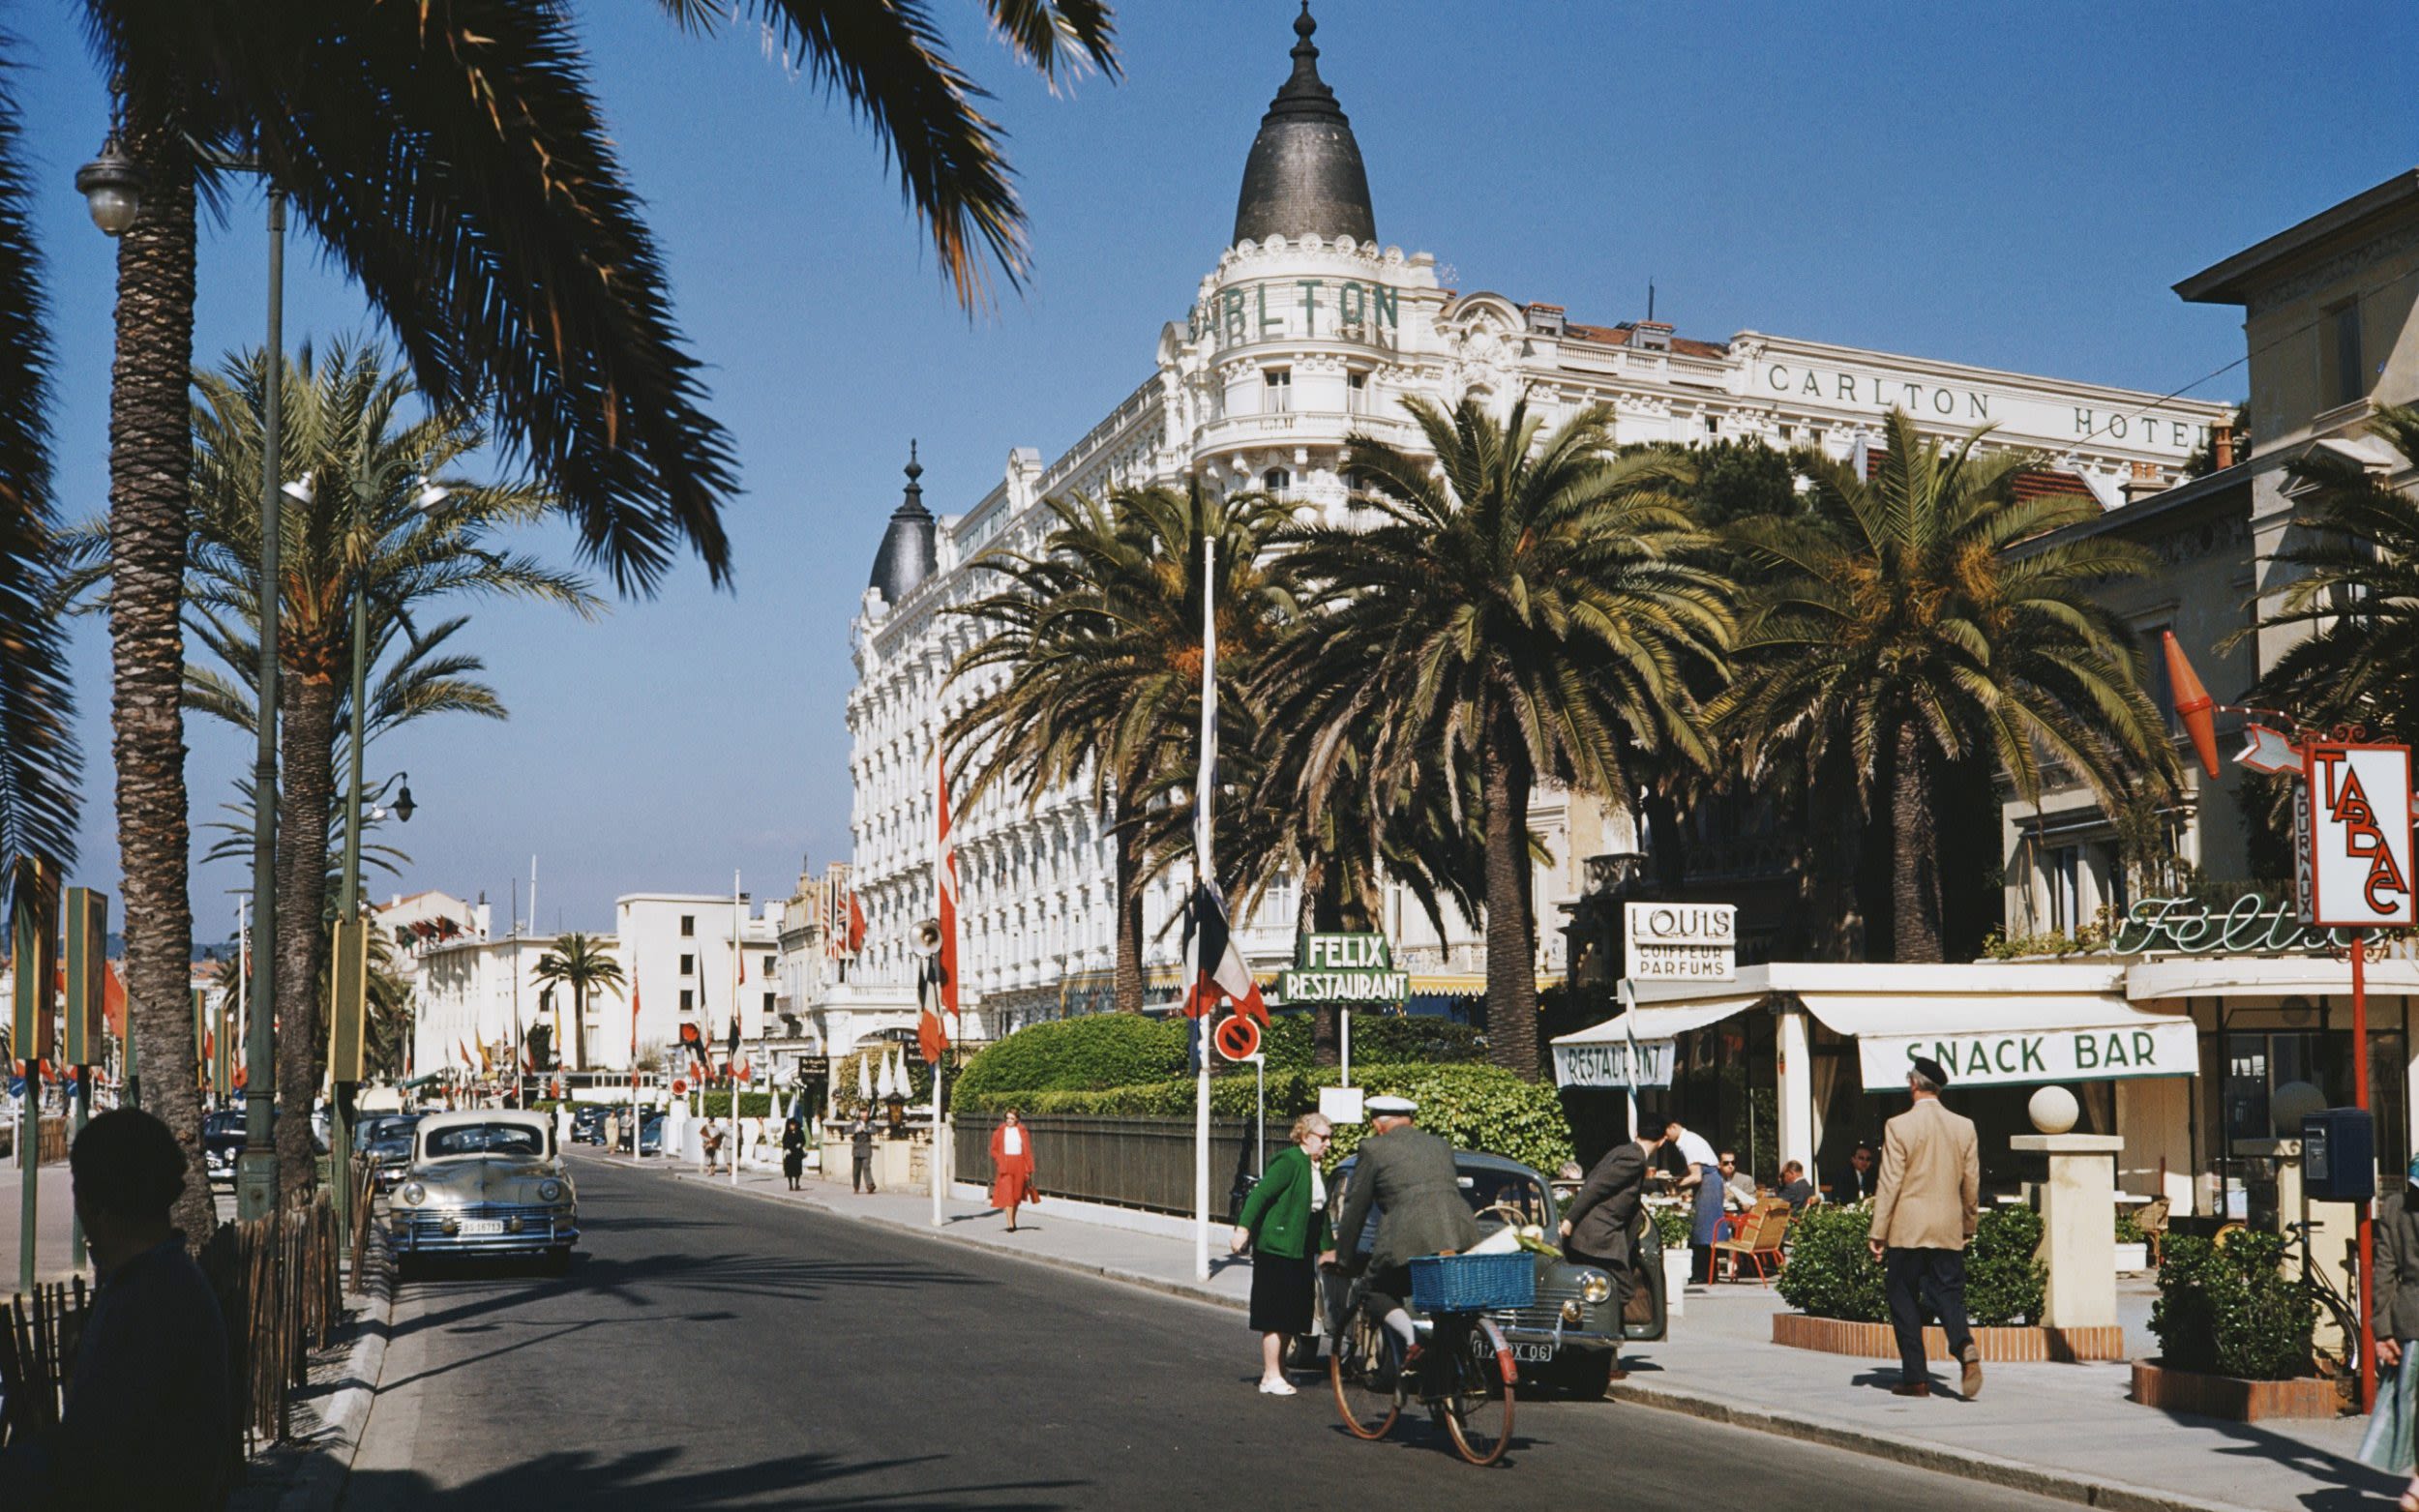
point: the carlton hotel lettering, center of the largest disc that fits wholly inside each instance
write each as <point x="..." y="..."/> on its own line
<point x="1250" y="312"/>
<point x="1971" y="407"/>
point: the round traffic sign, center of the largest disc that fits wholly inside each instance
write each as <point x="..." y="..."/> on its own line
<point x="1238" y="1038"/>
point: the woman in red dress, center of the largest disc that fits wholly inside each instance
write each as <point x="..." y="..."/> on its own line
<point x="1012" y="1165"/>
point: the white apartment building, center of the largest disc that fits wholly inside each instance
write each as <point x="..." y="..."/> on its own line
<point x="1306" y="330"/>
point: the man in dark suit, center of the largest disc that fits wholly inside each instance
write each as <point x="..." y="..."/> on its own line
<point x="1408" y="1176"/>
<point x="1597" y="1226"/>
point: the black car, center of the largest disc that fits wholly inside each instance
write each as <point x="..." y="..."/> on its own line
<point x="386" y="1144"/>
<point x="650" y="1135"/>
<point x="587" y="1123"/>
<point x="221" y="1137"/>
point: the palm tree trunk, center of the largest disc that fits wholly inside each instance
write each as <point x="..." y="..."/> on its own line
<point x="1126" y="979"/>
<point x="1324" y="1044"/>
<point x="1915" y="883"/>
<point x="151" y="454"/>
<point x="306" y="791"/>
<point x="578" y="1023"/>
<point x="1511" y="985"/>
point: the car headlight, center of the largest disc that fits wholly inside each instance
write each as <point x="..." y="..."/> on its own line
<point x="413" y="1194"/>
<point x="550" y="1191"/>
<point x="1595" y="1286"/>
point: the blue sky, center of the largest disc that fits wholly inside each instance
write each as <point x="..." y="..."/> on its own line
<point x="2009" y="186"/>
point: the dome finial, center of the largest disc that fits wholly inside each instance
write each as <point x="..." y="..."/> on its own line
<point x="915" y="469"/>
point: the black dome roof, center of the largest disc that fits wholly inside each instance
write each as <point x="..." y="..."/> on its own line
<point x="1304" y="176"/>
<point x="908" y="554"/>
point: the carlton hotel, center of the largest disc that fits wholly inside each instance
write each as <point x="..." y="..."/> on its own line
<point x="1306" y="329"/>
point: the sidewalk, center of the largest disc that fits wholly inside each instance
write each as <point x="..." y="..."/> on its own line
<point x="2064" y="1431"/>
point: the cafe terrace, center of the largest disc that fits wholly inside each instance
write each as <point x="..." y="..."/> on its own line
<point x="2198" y="1034"/>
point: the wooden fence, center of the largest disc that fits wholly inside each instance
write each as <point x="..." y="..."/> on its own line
<point x="1144" y="1163"/>
<point x="38" y="1339"/>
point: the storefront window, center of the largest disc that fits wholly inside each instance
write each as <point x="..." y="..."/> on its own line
<point x="2261" y="1065"/>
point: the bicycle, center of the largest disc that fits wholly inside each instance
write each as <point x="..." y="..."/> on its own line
<point x="2321" y="1290"/>
<point x="1462" y="1388"/>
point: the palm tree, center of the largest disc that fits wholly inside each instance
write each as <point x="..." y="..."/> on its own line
<point x="1524" y="610"/>
<point x="461" y="171"/>
<point x="2357" y="599"/>
<point x="579" y="961"/>
<point x="1099" y="638"/>
<point x="1921" y="620"/>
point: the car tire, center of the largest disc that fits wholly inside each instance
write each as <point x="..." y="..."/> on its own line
<point x="406" y="1265"/>
<point x="1586" y="1373"/>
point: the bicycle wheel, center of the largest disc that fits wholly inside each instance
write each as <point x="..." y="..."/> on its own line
<point x="1479" y="1408"/>
<point x="1364" y="1369"/>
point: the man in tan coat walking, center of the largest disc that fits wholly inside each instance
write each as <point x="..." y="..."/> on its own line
<point x="1923" y="1216"/>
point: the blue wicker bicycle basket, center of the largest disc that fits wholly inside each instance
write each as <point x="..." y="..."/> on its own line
<point x="1474" y="1282"/>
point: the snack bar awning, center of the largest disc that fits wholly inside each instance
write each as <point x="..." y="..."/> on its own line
<point x="1989" y="1023"/>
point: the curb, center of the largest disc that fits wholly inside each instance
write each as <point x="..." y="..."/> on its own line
<point x="2091" y="1491"/>
<point x="327" y="1465"/>
<point x="1974" y="1465"/>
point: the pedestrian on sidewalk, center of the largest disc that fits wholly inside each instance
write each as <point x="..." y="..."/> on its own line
<point x="710" y="1142"/>
<point x="1703" y="1180"/>
<point x="150" y="1419"/>
<point x="1599" y="1227"/>
<point x="2394" y="1318"/>
<point x="1924" y="1209"/>
<point x="861" y="1154"/>
<point x="794" y="1151"/>
<point x="1284" y="1222"/>
<point x="1012" y="1165"/>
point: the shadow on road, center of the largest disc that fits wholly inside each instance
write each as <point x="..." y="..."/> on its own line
<point x="644" y="1479"/>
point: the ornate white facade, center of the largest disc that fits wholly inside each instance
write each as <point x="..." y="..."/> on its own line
<point x="1291" y="344"/>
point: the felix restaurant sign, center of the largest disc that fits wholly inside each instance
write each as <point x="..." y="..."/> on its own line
<point x="2016" y="1056"/>
<point x="1343" y="968"/>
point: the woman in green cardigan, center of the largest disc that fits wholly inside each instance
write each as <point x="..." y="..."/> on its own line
<point x="1286" y="1221"/>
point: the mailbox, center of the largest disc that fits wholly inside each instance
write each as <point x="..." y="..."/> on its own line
<point x="2339" y="1155"/>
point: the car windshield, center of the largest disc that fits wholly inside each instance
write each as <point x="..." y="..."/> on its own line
<point x="1492" y="1195"/>
<point x="486" y="1139"/>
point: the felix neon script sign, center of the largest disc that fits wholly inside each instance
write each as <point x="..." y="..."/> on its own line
<point x="2352" y="814"/>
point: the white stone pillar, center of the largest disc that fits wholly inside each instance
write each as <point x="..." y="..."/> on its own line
<point x="1796" y="1055"/>
<point x="2079" y="1210"/>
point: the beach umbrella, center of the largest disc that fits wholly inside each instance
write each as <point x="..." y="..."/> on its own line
<point x="864" y="1079"/>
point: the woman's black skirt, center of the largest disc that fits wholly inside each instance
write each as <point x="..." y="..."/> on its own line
<point x="1281" y="1293"/>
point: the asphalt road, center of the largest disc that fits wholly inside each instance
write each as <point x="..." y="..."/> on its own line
<point x="712" y="1350"/>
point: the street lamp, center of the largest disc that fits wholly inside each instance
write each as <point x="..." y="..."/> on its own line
<point x="112" y="189"/>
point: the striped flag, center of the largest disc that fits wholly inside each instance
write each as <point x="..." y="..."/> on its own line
<point x="1222" y="972"/>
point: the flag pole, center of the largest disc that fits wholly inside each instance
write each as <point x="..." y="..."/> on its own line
<point x="1205" y="869"/>
<point x="635" y="1119"/>
<point x="731" y="1068"/>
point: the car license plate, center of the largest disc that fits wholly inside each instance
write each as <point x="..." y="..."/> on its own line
<point x="1525" y="1353"/>
<point x="483" y="1226"/>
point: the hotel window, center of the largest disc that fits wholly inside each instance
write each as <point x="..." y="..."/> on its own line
<point x="2162" y="695"/>
<point x="688" y="966"/>
<point x="688" y="999"/>
<point x="772" y="963"/>
<point x="1276" y="479"/>
<point x="2062" y="870"/>
<point x="1280" y="387"/>
<point x="2344" y="379"/>
<point x="1356" y="393"/>
<point x="768" y="1005"/>
<point x="688" y="925"/>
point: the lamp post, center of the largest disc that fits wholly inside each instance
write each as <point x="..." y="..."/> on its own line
<point x="112" y="188"/>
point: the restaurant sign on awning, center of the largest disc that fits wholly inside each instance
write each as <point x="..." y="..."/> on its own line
<point x="1610" y="1064"/>
<point x="2102" y="1052"/>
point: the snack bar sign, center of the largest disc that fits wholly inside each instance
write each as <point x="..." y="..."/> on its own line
<point x="1679" y="941"/>
<point x="2352" y="814"/>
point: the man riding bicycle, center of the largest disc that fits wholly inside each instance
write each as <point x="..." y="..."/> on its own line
<point x="1408" y="1176"/>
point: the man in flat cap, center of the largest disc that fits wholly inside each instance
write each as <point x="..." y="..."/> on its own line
<point x="1408" y="1175"/>
<point x="1923" y="1216"/>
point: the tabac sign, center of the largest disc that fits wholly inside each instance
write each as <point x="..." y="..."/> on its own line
<point x="2351" y="815"/>
<point x="1343" y="968"/>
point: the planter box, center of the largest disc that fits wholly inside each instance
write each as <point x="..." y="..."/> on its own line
<point x="1877" y="1341"/>
<point x="2132" y="1257"/>
<point x="2232" y="1397"/>
<point x="1678" y="1266"/>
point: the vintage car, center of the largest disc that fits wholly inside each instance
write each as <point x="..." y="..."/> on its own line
<point x="384" y="1140"/>
<point x="1569" y="1337"/>
<point x="484" y="1183"/>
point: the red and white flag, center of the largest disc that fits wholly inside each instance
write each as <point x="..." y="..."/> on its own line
<point x="856" y="922"/>
<point x="939" y="979"/>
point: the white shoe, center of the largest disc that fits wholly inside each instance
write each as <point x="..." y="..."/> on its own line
<point x="1277" y="1388"/>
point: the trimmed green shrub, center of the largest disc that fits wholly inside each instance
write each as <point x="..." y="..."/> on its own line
<point x="752" y="1105"/>
<point x="2004" y="1282"/>
<point x="1672" y="1226"/>
<point x="1390" y="1039"/>
<point x="1831" y="1271"/>
<point x="1477" y="1106"/>
<point x="1104" y="1049"/>
<point x="2226" y="1307"/>
<point x="2128" y="1232"/>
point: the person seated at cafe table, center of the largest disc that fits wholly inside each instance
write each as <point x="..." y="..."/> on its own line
<point x="1738" y="1193"/>
<point x="1795" y="1188"/>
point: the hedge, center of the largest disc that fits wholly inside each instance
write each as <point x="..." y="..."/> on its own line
<point x="2226" y="1307"/>
<point x="1831" y="1271"/>
<point x="1106" y="1050"/>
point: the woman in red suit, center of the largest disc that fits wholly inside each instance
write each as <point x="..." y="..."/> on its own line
<point x="1012" y="1165"/>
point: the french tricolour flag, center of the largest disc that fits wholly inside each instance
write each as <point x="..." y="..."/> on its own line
<point x="1222" y="972"/>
